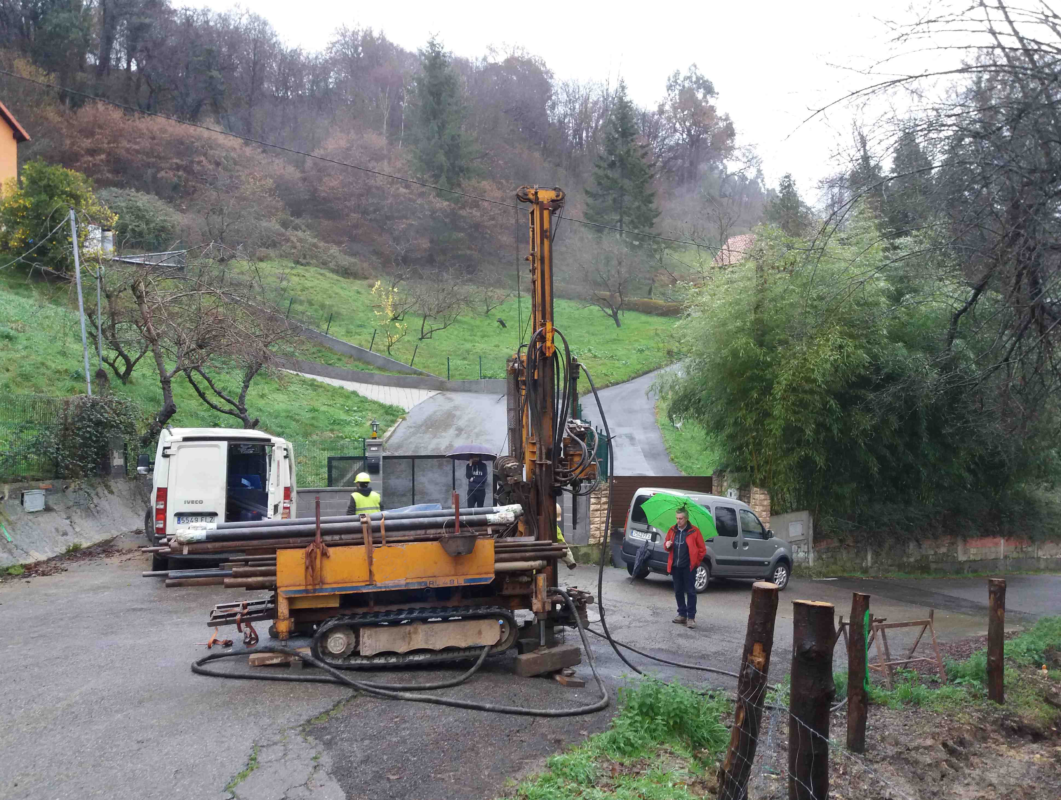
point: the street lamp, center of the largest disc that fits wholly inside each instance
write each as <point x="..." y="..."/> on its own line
<point x="375" y="429"/>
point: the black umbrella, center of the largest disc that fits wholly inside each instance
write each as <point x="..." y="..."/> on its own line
<point x="465" y="451"/>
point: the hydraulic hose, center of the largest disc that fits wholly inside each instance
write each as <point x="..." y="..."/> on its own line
<point x="411" y="692"/>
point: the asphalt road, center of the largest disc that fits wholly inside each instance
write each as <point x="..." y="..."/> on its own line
<point x="449" y="419"/>
<point x="631" y="410"/>
<point x="99" y="700"/>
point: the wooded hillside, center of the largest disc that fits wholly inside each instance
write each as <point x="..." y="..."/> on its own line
<point x="362" y="100"/>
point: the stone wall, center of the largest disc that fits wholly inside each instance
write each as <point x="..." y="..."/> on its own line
<point x="946" y="554"/>
<point x="758" y="499"/>
<point x="598" y="513"/>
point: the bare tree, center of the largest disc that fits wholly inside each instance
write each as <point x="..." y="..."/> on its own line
<point x="611" y="269"/>
<point x="123" y="345"/>
<point x="989" y="123"/>
<point x="253" y="329"/>
<point x="439" y="302"/>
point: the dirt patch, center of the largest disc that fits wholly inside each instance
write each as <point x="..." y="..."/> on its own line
<point x="915" y="754"/>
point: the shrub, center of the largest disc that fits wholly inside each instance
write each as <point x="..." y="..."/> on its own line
<point x="79" y="443"/>
<point x="145" y="222"/>
<point x="28" y="214"/>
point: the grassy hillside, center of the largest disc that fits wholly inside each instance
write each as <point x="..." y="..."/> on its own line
<point x="611" y="354"/>
<point x="40" y="353"/>
<point x="689" y="447"/>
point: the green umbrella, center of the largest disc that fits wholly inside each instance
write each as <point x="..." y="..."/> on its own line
<point x="661" y="511"/>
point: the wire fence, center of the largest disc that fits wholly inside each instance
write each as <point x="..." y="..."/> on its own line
<point x="319" y="461"/>
<point x="791" y="757"/>
<point x="24" y="419"/>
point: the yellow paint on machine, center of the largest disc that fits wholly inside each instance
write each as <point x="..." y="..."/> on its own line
<point x="393" y="566"/>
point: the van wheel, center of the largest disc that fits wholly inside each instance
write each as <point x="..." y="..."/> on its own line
<point x="701" y="578"/>
<point x="640" y="575"/>
<point x="149" y="531"/>
<point x="779" y="577"/>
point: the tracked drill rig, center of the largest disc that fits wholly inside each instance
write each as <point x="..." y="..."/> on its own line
<point x="389" y="589"/>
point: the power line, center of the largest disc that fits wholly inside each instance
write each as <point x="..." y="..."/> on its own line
<point x="38" y="244"/>
<point x="326" y="160"/>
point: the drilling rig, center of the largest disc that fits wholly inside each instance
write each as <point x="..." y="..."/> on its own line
<point x="389" y="589"/>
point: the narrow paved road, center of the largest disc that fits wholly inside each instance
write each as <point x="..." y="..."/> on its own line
<point x="636" y="441"/>
<point x="448" y="419"/>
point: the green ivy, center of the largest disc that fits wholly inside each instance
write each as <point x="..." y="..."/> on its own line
<point x="79" y="444"/>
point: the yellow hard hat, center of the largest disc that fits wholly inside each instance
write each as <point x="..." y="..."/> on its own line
<point x="362" y="477"/>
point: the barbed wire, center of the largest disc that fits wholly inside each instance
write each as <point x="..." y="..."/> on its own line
<point x="767" y="774"/>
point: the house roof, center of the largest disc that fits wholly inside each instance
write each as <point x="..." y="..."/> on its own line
<point x="735" y="249"/>
<point x="18" y="130"/>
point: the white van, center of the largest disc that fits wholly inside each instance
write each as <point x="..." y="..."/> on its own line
<point x="218" y="475"/>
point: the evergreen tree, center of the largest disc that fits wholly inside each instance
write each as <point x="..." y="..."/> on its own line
<point x="787" y="210"/>
<point x="443" y="151"/>
<point x="622" y="194"/>
<point x="867" y="177"/>
<point x="908" y="193"/>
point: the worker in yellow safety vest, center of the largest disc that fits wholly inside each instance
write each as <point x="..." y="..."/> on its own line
<point x="567" y="558"/>
<point x="364" y="500"/>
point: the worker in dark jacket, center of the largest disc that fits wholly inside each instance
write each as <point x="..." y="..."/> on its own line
<point x="363" y="500"/>
<point x="475" y="472"/>
<point x="686" y="548"/>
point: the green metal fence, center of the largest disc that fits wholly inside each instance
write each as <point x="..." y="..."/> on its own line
<point x="311" y="460"/>
<point x="23" y="419"/>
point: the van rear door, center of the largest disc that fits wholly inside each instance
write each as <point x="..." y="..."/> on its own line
<point x="196" y="490"/>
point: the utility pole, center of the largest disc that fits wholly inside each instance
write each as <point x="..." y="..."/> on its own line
<point x="80" y="300"/>
<point x="99" y="314"/>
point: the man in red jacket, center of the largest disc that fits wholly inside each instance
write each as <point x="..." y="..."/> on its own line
<point x="686" y="548"/>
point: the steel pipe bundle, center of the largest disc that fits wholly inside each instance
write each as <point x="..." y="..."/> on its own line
<point x="265" y="531"/>
<point x="385" y="515"/>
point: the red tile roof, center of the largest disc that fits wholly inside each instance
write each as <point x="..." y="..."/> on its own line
<point x="18" y="130"/>
<point x="735" y="249"/>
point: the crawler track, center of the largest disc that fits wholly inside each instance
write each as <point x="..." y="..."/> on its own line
<point x="505" y="619"/>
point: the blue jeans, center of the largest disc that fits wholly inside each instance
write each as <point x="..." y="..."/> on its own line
<point x="684" y="592"/>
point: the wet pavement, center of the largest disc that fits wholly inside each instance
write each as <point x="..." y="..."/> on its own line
<point x="99" y="700"/>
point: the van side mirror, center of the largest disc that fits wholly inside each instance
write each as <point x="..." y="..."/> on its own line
<point x="770" y="534"/>
<point x="143" y="464"/>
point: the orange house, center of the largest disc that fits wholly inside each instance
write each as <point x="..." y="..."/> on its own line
<point x="11" y="135"/>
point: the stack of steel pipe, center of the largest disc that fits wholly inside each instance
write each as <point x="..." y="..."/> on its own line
<point x="251" y="546"/>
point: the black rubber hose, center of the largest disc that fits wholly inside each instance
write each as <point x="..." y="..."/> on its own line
<point x="403" y="691"/>
<point x="664" y="660"/>
<point x="606" y="544"/>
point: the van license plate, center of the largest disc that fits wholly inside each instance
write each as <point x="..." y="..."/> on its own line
<point x="185" y="519"/>
<point x="640" y="535"/>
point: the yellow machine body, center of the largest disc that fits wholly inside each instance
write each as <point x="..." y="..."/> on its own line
<point x="350" y="570"/>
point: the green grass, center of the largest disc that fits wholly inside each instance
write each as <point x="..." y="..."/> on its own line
<point x="16" y="570"/>
<point x="612" y="355"/>
<point x="40" y="353"/>
<point x="74" y="547"/>
<point x="689" y="447"/>
<point x="242" y="775"/>
<point x="664" y="737"/>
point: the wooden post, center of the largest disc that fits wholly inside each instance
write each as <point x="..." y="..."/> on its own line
<point x="751" y="689"/>
<point x="996" y="639"/>
<point x="812" y="696"/>
<point x="857" y="698"/>
<point x="329" y="327"/>
<point x="373" y="340"/>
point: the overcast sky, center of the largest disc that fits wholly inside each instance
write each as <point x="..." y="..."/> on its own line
<point x="772" y="63"/>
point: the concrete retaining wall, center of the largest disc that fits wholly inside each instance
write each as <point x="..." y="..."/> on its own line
<point x="485" y="386"/>
<point x="360" y="353"/>
<point x="82" y="516"/>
